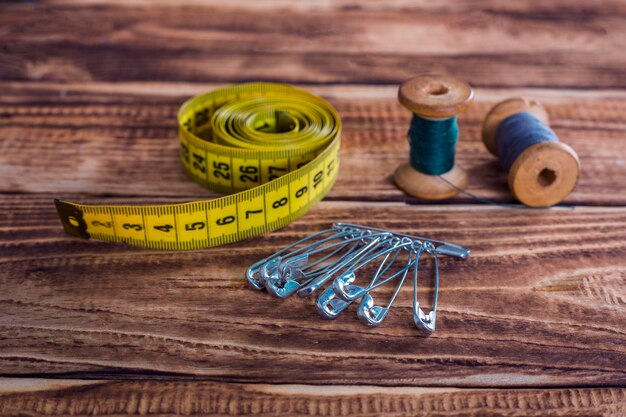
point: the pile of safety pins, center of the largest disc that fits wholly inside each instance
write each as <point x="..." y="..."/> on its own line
<point x="336" y="254"/>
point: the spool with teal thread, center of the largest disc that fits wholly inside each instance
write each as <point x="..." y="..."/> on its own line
<point x="435" y="101"/>
<point x="542" y="171"/>
<point x="434" y="156"/>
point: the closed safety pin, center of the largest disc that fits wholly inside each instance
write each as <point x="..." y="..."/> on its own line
<point x="425" y="322"/>
<point x="371" y="314"/>
<point x="336" y="254"/>
<point x="281" y="276"/>
<point x="296" y="276"/>
<point x="329" y="305"/>
<point x="253" y="273"/>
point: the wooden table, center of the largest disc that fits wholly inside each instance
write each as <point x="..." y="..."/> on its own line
<point x="532" y="324"/>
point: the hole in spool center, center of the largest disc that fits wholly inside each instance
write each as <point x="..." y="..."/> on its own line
<point x="546" y="177"/>
<point x="436" y="89"/>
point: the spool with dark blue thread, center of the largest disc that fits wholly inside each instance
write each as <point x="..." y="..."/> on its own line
<point x="434" y="100"/>
<point x="542" y="170"/>
<point x="517" y="133"/>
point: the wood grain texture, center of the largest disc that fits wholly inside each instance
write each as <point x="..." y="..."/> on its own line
<point x="164" y="398"/>
<point x="88" y="308"/>
<point x="112" y="139"/>
<point x="487" y="43"/>
<point x="532" y="324"/>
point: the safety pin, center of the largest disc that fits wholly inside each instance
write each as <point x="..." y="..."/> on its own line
<point x="425" y="322"/>
<point x="253" y="272"/>
<point x="307" y="265"/>
<point x="291" y="282"/>
<point x="261" y="270"/>
<point x="362" y="236"/>
<point x="444" y="248"/>
<point x="343" y="284"/>
<point x="373" y="315"/>
<point x="286" y="271"/>
<point x="330" y="306"/>
<point x="318" y="282"/>
<point x="354" y="292"/>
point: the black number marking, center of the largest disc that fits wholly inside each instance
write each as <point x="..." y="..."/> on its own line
<point x="135" y="227"/>
<point x="164" y="228"/>
<point x="249" y="178"/>
<point x="202" y="117"/>
<point x="225" y="220"/>
<point x="220" y="174"/>
<point x="187" y="124"/>
<point x="250" y="169"/>
<point x="199" y="162"/>
<point x="249" y="212"/>
<point x="317" y="179"/>
<point x="220" y="167"/>
<point x="280" y="203"/>
<point x="195" y="226"/>
<point x="330" y="167"/>
<point x="275" y="171"/>
<point x="302" y="191"/>
<point x="101" y="224"/>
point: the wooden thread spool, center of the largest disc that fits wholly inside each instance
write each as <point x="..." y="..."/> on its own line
<point x="544" y="173"/>
<point x="434" y="98"/>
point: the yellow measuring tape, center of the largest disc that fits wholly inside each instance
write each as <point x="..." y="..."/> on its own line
<point x="276" y="147"/>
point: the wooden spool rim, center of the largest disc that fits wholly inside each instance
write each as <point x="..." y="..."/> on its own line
<point x="430" y="187"/>
<point x="507" y="108"/>
<point x="544" y="174"/>
<point x="435" y="96"/>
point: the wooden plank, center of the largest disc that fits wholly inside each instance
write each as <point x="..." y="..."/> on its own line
<point x="115" y="398"/>
<point x="551" y="9"/>
<point x="489" y="44"/>
<point x="539" y="303"/>
<point x="110" y="139"/>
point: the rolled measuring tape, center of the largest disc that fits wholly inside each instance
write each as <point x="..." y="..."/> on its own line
<point x="273" y="147"/>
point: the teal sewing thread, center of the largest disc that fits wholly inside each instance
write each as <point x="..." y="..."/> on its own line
<point x="517" y="133"/>
<point x="432" y="144"/>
